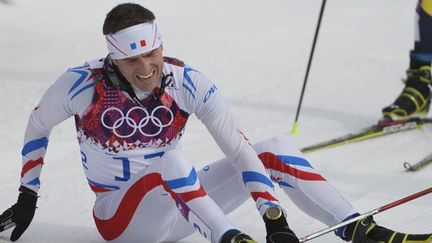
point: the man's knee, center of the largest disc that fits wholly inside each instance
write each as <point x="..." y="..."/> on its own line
<point x="280" y="145"/>
<point x="177" y="168"/>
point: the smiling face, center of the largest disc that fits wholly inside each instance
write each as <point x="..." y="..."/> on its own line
<point x="143" y="71"/>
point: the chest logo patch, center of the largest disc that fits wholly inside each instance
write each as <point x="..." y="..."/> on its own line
<point x="137" y="119"/>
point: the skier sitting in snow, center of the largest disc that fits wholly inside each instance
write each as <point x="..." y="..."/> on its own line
<point x="131" y="109"/>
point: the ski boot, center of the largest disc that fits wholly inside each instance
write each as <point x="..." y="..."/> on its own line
<point x="235" y="236"/>
<point x="414" y="101"/>
<point x="277" y="227"/>
<point x="367" y="231"/>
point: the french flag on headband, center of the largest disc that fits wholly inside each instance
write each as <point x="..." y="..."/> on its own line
<point x="133" y="40"/>
<point x="134" y="45"/>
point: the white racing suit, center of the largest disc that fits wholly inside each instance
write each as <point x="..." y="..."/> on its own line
<point x="147" y="189"/>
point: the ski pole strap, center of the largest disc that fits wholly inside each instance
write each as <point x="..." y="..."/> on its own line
<point x="364" y="215"/>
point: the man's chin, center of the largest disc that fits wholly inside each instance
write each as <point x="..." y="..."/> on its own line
<point x="148" y="87"/>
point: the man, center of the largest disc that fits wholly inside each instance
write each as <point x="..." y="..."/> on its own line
<point x="414" y="101"/>
<point x="130" y="110"/>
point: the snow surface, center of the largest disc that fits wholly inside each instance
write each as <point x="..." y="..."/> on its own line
<point x="256" y="52"/>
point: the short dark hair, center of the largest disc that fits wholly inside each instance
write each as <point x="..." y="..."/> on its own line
<point x="126" y="15"/>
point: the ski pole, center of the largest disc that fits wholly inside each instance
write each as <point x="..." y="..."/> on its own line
<point x="364" y="215"/>
<point x="294" y="128"/>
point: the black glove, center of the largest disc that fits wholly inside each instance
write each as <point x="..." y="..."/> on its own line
<point x="20" y="214"/>
<point x="277" y="227"/>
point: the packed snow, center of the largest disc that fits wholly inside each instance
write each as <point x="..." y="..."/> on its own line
<point x="256" y="52"/>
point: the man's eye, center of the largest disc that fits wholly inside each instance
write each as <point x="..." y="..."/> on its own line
<point x="131" y="60"/>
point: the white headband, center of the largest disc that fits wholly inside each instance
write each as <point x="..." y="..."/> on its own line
<point x="133" y="41"/>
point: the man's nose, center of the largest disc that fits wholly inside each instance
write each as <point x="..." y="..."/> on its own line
<point x="143" y="62"/>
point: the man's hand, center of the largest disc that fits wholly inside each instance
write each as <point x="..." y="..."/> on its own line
<point x="20" y="214"/>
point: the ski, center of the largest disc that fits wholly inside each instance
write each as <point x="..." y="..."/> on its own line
<point x="418" y="165"/>
<point x="380" y="129"/>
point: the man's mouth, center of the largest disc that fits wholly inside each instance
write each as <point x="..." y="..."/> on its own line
<point x="141" y="77"/>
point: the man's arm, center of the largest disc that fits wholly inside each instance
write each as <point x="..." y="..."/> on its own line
<point x="211" y="109"/>
<point x="63" y="99"/>
<point x="68" y="96"/>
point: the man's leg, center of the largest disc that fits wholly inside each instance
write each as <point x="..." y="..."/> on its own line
<point x="224" y="185"/>
<point x="140" y="211"/>
<point x="414" y="101"/>
<point x="200" y="211"/>
<point x="316" y="197"/>
<point x="164" y="202"/>
<point x="288" y="168"/>
<point x="306" y="187"/>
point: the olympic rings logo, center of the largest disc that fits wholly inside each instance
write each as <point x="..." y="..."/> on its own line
<point x="126" y="120"/>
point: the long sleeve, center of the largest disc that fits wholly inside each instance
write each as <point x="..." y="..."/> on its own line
<point x="215" y="114"/>
<point x="68" y="96"/>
